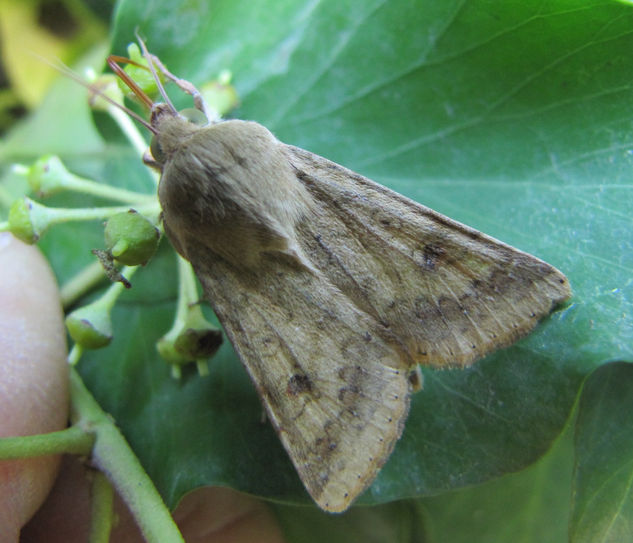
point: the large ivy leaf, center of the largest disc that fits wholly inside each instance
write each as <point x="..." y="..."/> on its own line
<point x="513" y="117"/>
<point x="526" y="507"/>
<point x="393" y="522"/>
<point x="603" y="488"/>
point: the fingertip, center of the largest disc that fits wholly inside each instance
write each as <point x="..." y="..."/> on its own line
<point x="33" y="373"/>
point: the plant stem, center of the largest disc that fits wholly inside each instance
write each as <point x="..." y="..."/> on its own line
<point x="187" y="293"/>
<point x="57" y="178"/>
<point x="75" y="354"/>
<point x="81" y="283"/>
<point x="129" y="128"/>
<point x="59" y="215"/>
<point x="132" y="133"/>
<point x="102" y="514"/>
<point x="113" y="456"/>
<point x="72" y="440"/>
<point x="101" y="190"/>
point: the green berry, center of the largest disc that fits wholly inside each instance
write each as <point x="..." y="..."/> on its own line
<point x="140" y="74"/>
<point x="167" y="351"/>
<point x="90" y="326"/>
<point x="131" y="238"/>
<point x="196" y="344"/>
<point x="21" y="223"/>
<point x="105" y="85"/>
<point x="220" y="95"/>
<point x="47" y="175"/>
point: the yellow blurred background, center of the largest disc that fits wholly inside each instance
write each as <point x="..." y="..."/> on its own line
<point x="53" y="29"/>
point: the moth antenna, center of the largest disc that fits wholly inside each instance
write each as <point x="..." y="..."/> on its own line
<point x="150" y="64"/>
<point x="113" y="61"/>
<point x="66" y="71"/>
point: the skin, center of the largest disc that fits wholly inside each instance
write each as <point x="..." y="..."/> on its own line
<point x="34" y="399"/>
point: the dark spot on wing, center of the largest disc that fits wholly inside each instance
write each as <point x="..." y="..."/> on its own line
<point x="432" y="255"/>
<point x="349" y="395"/>
<point x="299" y="384"/>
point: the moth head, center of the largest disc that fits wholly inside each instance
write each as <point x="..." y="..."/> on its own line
<point x="170" y="128"/>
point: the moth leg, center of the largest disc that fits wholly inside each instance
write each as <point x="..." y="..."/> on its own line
<point x="148" y="160"/>
<point x="187" y="87"/>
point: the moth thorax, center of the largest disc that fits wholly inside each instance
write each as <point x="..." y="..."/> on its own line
<point x="172" y="132"/>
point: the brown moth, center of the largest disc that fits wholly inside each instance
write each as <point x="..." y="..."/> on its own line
<point x="332" y="288"/>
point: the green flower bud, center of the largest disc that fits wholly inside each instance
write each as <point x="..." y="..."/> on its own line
<point x="167" y="351"/>
<point x="90" y="326"/>
<point x="47" y="175"/>
<point x="140" y="74"/>
<point x="188" y="344"/>
<point x="108" y="85"/>
<point x="220" y="95"/>
<point x="27" y="220"/>
<point x="198" y="343"/>
<point x="131" y="238"/>
<point x="192" y="340"/>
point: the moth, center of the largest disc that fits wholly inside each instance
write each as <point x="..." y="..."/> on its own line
<point x="331" y="288"/>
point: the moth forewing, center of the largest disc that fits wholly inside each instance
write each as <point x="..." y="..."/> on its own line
<point x="450" y="293"/>
<point x="332" y="288"/>
<point x="335" y="390"/>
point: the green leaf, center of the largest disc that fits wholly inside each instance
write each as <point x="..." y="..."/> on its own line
<point x="513" y="117"/>
<point x="531" y="506"/>
<point x="395" y="522"/>
<point x="495" y="114"/>
<point x="603" y="478"/>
